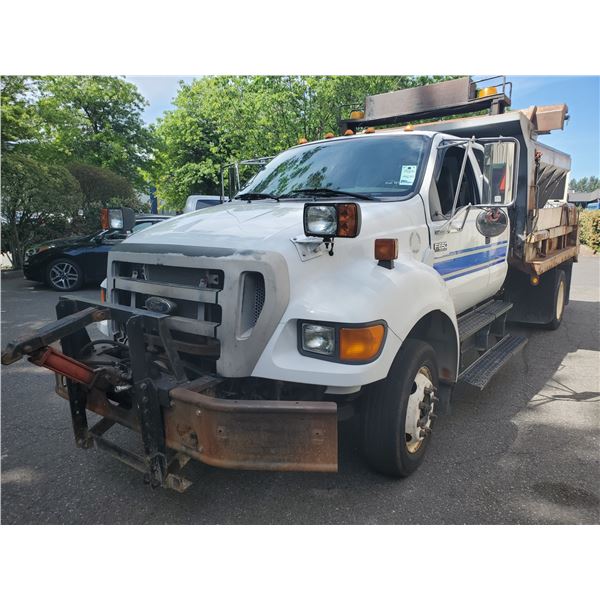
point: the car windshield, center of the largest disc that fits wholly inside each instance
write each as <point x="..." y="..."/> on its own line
<point x="384" y="166"/>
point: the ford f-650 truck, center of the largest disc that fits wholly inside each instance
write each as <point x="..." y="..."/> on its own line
<point x="363" y="274"/>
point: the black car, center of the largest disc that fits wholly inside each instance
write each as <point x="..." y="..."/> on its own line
<point x="67" y="264"/>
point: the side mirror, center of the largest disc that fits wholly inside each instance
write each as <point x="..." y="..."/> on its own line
<point x="233" y="181"/>
<point x="491" y="222"/>
<point x="500" y="165"/>
<point x="122" y="219"/>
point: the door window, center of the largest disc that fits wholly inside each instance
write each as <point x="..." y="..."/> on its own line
<point x="448" y="181"/>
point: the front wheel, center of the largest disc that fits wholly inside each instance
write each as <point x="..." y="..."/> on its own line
<point x="399" y="411"/>
<point x="64" y="275"/>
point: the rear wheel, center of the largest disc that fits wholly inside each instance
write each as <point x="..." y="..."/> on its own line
<point x="64" y="275"/>
<point x="399" y="411"/>
<point x="560" y="299"/>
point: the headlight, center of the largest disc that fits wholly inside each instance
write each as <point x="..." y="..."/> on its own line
<point x="332" y="220"/>
<point x="37" y="249"/>
<point x="320" y="220"/>
<point x="117" y="218"/>
<point x="318" y="338"/>
<point x="352" y="344"/>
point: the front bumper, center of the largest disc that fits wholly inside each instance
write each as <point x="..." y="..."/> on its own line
<point x="172" y="414"/>
<point x="34" y="272"/>
<point x="265" y="435"/>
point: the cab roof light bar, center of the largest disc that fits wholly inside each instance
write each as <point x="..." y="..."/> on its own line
<point x="447" y="98"/>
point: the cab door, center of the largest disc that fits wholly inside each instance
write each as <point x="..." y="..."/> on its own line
<point x="463" y="257"/>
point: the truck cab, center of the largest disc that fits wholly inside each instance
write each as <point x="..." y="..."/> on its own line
<point x="363" y="274"/>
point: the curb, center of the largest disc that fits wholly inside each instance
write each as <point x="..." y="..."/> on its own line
<point x="12" y="273"/>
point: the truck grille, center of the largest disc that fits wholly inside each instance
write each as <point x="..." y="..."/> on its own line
<point x="193" y="291"/>
<point x="229" y="299"/>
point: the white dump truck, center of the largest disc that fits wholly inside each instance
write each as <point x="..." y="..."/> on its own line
<point x="364" y="274"/>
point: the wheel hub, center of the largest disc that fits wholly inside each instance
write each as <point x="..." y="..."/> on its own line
<point x="419" y="412"/>
<point x="63" y="275"/>
<point x="560" y="302"/>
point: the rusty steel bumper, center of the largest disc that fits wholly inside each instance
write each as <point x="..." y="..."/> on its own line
<point x="253" y="434"/>
<point x="238" y="434"/>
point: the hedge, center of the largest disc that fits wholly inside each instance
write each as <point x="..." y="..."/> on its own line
<point x="589" y="231"/>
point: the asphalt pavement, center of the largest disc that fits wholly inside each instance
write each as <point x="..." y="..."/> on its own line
<point x="525" y="450"/>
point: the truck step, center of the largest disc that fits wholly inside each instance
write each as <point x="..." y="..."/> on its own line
<point x="480" y="317"/>
<point x="487" y="365"/>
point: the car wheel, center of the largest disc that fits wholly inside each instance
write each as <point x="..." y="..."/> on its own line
<point x="399" y="411"/>
<point x="64" y="275"/>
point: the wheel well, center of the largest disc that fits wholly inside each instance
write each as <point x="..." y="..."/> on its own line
<point x="437" y="329"/>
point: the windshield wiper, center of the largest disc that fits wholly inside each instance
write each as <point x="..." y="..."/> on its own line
<point x="256" y="196"/>
<point x="330" y="192"/>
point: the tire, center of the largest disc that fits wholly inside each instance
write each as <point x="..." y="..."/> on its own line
<point x="388" y="448"/>
<point x="560" y="300"/>
<point x="64" y="275"/>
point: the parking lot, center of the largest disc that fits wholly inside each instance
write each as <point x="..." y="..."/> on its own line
<point x="526" y="450"/>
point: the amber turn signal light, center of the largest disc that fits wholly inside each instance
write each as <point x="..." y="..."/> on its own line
<point x="102" y="295"/>
<point x="349" y="132"/>
<point x="328" y="136"/>
<point x="303" y="141"/>
<point x="104" y="218"/>
<point x="358" y="344"/>
<point x="370" y="130"/>
<point x="348" y="220"/>
<point x="386" y="249"/>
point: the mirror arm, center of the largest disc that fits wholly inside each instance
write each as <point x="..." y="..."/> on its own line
<point x="223" y="185"/>
<point x="446" y="226"/>
<point x="460" y="177"/>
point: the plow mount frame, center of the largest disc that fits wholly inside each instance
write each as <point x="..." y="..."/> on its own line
<point x="177" y="419"/>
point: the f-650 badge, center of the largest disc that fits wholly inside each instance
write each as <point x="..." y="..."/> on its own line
<point x="440" y="246"/>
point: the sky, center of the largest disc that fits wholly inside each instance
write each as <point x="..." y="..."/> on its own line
<point x="580" y="138"/>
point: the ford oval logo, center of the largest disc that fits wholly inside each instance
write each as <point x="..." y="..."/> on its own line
<point x="160" y="305"/>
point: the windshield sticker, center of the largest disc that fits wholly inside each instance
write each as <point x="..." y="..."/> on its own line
<point x="408" y="174"/>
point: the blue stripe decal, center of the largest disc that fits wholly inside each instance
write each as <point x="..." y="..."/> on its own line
<point x="471" y="260"/>
<point x="486" y="266"/>
<point x="455" y="252"/>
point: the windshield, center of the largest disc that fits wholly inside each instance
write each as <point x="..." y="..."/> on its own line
<point x="376" y="166"/>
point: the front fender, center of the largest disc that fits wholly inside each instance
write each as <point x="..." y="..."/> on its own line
<point x="356" y="291"/>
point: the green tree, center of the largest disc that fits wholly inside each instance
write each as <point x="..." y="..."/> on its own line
<point x="100" y="188"/>
<point x="20" y="122"/>
<point x="35" y="199"/>
<point x="220" y="119"/>
<point x="95" y="120"/>
<point x="585" y="184"/>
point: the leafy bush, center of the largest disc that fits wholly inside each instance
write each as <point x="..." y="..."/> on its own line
<point x="589" y="232"/>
